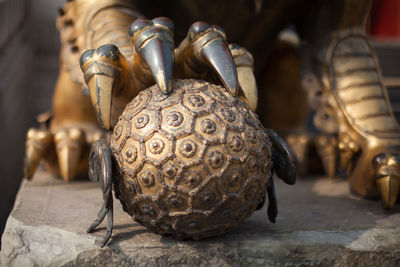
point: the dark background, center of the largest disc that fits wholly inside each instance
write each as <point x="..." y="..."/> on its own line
<point x="29" y="45"/>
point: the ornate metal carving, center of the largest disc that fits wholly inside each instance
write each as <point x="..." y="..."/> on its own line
<point x="182" y="181"/>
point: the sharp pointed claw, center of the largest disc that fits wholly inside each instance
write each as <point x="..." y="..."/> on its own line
<point x="69" y="146"/>
<point x="105" y="240"/>
<point x="209" y="45"/>
<point x="105" y="70"/>
<point x="68" y="159"/>
<point x="158" y="55"/>
<point x="153" y="42"/>
<point x="101" y="92"/>
<point x="389" y="188"/>
<point x="387" y="172"/>
<point x="37" y="145"/>
<point x="100" y="79"/>
<point x="109" y="229"/>
<point x="219" y="58"/>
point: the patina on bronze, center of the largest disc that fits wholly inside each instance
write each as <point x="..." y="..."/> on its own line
<point x="340" y="73"/>
<point x="193" y="164"/>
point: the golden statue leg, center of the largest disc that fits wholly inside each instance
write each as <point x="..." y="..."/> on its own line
<point x="63" y="146"/>
<point x="354" y="104"/>
<point x="73" y="127"/>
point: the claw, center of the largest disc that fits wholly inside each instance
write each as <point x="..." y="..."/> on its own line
<point x="154" y="51"/>
<point x="245" y="69"/>
<point x="158" y="57"/>
<point x="389" y="188"/>
<point x="69" y="145"/>
<point x="387" y="168"/>
<point x="209" y="46"/>
<point x="106" y="71"/>
<point x="38" y="143"/>
<point x="205" y="47"/>
<point x="347" y="150"/>
<point x="326" y="148"/>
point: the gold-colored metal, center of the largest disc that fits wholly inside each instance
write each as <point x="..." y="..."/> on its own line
<point x="363" y="110"/>
<point x="192" y="164"/>
<point x="327" y="150"/>
<point x="354" y="104"/>
<point x="346" y="88"/>
<point x="245" y="68"/>
<point x="360" y="112"/>
<point x="387" y="172"/>
<point x="106" y="72"/>
<point x="69" y="145"/>
<point x="190" y="153"/>
<point x="38" y="145"/>
<point x="114" y="74"/>
<point x="73" y="127"/>
<point x="348" y="150"/>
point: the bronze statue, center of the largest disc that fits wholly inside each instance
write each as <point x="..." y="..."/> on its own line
<point x="358" y="131"/>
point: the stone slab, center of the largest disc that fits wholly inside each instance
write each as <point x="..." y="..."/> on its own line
<point x="319" y="223"/>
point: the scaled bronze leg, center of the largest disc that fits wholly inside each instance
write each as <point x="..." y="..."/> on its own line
<point x="354" y="103"/>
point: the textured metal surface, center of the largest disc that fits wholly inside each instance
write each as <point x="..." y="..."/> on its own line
<point x="341" y="73"/>
<point x="367" y="126"/>
<point x="194" y="163"/>
<point x="352" y="108"/>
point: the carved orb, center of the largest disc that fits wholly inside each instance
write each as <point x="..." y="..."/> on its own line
<point x="192" y="164"/>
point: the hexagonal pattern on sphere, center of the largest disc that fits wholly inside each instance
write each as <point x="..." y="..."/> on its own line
<point x="194" y="163"/>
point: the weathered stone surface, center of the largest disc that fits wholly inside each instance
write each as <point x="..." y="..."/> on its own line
<point x="319" y="223"/>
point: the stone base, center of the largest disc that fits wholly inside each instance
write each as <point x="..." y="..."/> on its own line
<point x="319" y="223"/>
